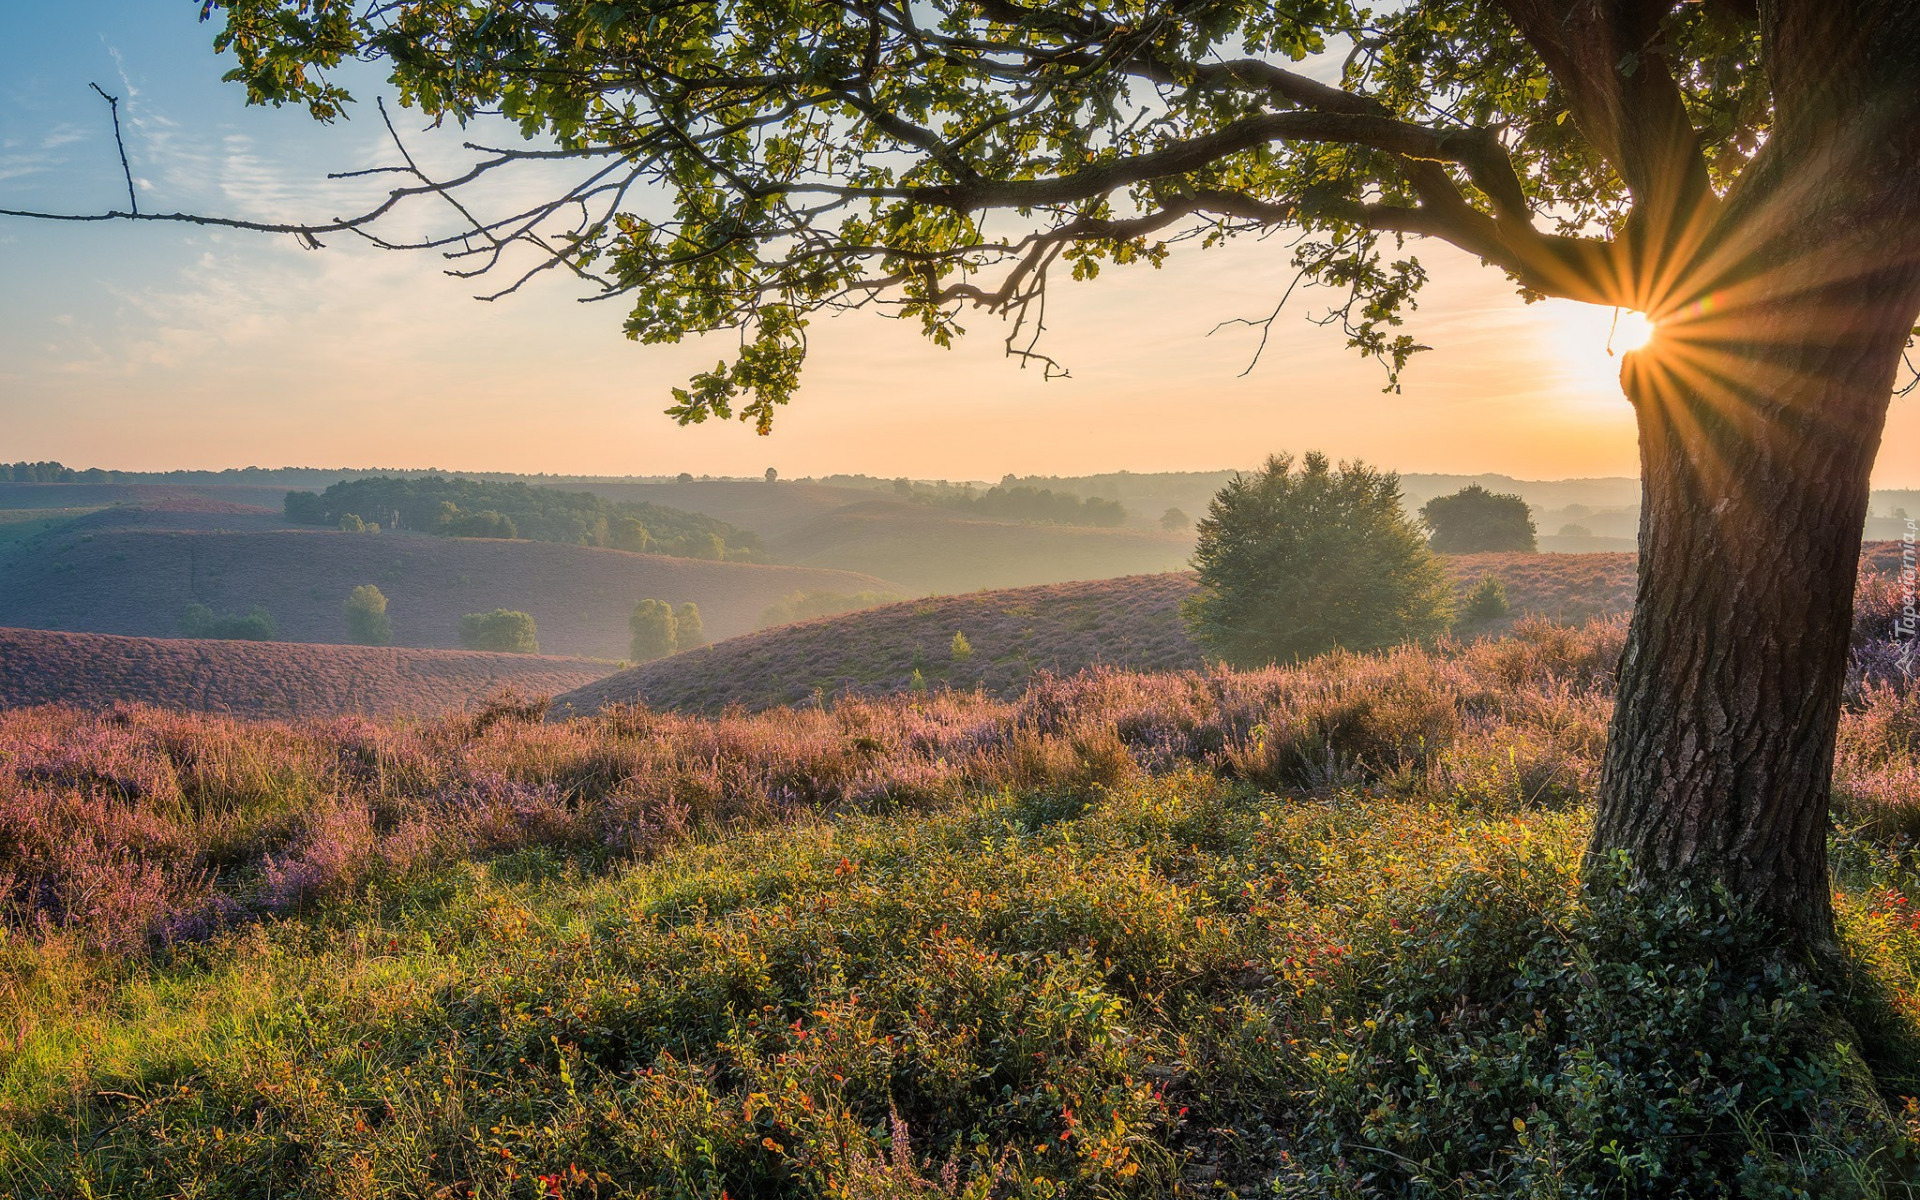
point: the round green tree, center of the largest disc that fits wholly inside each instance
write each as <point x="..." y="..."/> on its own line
<point x="1294" y="563"/>
<point x="367" y="620"/>
<point x="693" y="631"/>
<point x="656" y="632"/>
<point x="1473" y="520"/>
<point x="502" y="629"/>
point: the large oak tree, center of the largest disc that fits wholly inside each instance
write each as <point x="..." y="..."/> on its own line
<point x="1748" y="174"/>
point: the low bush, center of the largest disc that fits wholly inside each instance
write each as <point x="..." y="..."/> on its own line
<point x="502" y="630"/>
<point x="1487" y="601"/>
<point x="200" y="621"/>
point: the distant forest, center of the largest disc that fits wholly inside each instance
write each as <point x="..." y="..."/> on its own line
<point x="460" y="507"/>
<point x="1031" y="504"/>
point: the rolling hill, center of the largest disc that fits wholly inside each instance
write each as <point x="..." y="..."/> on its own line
<point x="929" y="549"/>
<point x="135" y="580"/>
<point x="267" y="679"/>
<point x="921" y="547"/>
<point x="1131" y="622"/>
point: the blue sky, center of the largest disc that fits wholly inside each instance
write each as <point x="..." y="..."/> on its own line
<point x="156" y="346"/>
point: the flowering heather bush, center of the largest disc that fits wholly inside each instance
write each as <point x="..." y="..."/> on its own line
<point x="267" y="679"/>
<point x="139" y="827"/>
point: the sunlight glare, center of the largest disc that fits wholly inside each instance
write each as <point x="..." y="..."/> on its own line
<point x="1632" y="332"/>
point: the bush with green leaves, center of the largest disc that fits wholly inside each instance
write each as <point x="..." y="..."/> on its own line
<point x="960" y="649"/>
<point x="502" y="630"/>
<point x="655" y="629"/>
<point x="1487" y="601"/>
<point x="367" y="620"/>
<point x="692" y="630"/>
<point x="1294" y="563"/>
<point x="200" y="621"/>
<point x="1474" y="520"/>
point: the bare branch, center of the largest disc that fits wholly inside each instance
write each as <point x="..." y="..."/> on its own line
<point x="113" y="106"/>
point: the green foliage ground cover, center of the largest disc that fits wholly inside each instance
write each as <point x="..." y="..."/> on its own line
<point x="1173" y="985"/>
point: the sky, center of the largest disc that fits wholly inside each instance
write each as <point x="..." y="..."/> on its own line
<point x="145" y="347"/>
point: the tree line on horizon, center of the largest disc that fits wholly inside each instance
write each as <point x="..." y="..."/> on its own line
<point x="456" y="506"/>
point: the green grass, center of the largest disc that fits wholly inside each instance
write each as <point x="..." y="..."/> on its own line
<point x="19" y="524"/>
<point x="1181" y="986"/>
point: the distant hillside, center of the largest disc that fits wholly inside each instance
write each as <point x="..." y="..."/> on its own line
<point x="772" y="510"/>
<point x="1127" y="622"/>
<point x="455" y="506"/>
<point x="136" y="581"/>
<point x="1131" y="622"/>
<point x="267" y="679"/>
<point x="936" y="550"/>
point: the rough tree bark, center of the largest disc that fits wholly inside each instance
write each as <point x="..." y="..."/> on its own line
<point x="1760" y="406"/>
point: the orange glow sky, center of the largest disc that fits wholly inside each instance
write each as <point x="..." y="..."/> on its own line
<point x="146" y="348"/>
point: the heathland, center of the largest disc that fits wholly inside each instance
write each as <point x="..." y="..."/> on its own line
<point x="1132" y="623"/>
<point x="133" y="571"/>
<point x="1306" y="931"/>
<point x="269" y="679"/>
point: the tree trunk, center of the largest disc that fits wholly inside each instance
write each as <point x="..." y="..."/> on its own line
<point x="1759" y="424"/>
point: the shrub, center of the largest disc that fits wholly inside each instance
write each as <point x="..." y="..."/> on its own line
<point x="960" y="648"/>
<point x="1487" y="601"/>
<point x="1173" y="520"/>
<point x="199" y="621"/>
<point x="367" y="621"/>
<point x="1295" y="563"/>
<point x="1571" y="530"/>
<point x="655" y="630"/>
<point x="1474" y="520"/>
<point x="693" y="631"/>
<point x="772" y="475"/>
<point x="351" y="523"/>
<point x="502" y="629"/>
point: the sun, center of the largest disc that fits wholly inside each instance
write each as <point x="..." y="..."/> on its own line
<point x="1631" y="331"/>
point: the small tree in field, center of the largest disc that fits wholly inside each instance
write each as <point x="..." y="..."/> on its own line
<point x="501" y="630"/>
<point x="1174" y="520"/>
<point x="960" y="648"/>
<point x="367" y="620"/>
<point x="772" y="475"/>
<point x="1487" y="601"/>
<point x="1474" y="519"/>
<point x="656" y="631"/>
<point x="1296" y="563"/>
<point x="693" y="631"/>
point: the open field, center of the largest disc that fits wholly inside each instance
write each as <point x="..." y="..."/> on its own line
<point x="1312" y="931"/>
<point x="268" y="679"/>
<point x="136" y="582"/>
<point x="1132" y="622"/>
